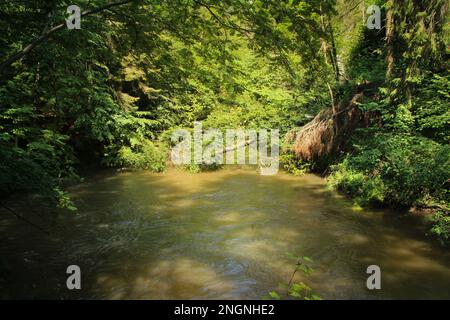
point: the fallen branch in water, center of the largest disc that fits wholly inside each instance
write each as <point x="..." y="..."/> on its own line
<point x="247" y="143"/>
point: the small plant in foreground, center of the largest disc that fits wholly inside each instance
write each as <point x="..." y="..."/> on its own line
<point x="297" y="290"/>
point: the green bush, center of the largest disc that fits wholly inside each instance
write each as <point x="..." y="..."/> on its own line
<point x="441" y="227"/>
<point x="41" y="167"/>
<point x="431" y="108"/>
<point x="204" y="167"/>
<point x="397" y="170"/>
<point x="366" y="190"/>
<point x="143" y="155"/>
<point x="291" y="164"/>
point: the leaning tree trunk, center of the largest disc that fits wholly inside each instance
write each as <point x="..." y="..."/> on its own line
<point x="327" y="134"/>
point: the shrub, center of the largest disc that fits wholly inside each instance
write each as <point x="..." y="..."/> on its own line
<point x="291" y="164"/>
<point x="391" y="169"/>
<point x="143" y="155"/>
<point x="366" y="190"/>
<point x="441" y="227"/>
<point x="40" y="168"/>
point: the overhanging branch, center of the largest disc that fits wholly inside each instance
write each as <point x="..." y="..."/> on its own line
<point x="47" y="33"/>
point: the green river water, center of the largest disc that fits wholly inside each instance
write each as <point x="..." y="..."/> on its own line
<point x="218" y="235"/>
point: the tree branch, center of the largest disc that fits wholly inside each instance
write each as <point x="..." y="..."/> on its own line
<point x="47" y="33"/>
<point x="18" y="216"/>
<point x="229" y="25"/>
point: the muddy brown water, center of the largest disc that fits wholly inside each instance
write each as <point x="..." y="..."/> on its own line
<point x="229" y="234"/>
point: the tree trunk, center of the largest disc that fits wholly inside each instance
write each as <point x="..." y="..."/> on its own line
<point x="333" y="51"/>
<point x="390" y="35"/>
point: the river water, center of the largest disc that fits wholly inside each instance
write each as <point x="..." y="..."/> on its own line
<point x="230" y="234"/>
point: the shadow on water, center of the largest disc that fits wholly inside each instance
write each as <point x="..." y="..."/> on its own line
<point x="221" y="234"/>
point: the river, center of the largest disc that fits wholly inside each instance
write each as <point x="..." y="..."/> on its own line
<point x="229" y="234"/>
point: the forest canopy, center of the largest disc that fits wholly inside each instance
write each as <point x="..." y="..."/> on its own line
<point x="367" y="106"/>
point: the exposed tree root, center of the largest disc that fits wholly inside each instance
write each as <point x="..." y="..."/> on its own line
<point x="327" y="134"/>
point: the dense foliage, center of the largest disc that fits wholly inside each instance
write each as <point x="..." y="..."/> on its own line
<point x="113" y="91"/>
<point x="404" y="158"/>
